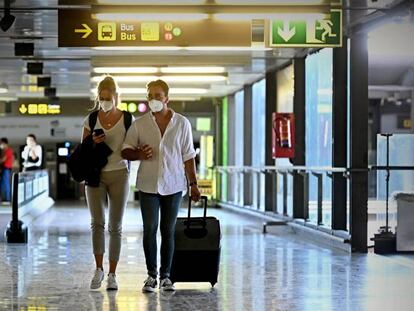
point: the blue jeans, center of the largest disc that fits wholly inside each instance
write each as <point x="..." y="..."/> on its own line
<point x="5" y="184"/>
<point x="151" y="205"/>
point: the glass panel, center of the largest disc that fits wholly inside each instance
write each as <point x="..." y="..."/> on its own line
<point x="319" y="117"/>
<point x="224" y="146"/>
<point x="258" y="133"/>
<point x="238" y="143"/>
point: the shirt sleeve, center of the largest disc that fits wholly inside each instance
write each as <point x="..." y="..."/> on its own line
<point x="39" y="155"/>
<point x="25" y="153"/>
<point x="187" y="148"/>
<point x="131" y="139"/>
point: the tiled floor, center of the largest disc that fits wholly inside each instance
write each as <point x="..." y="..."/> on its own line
<point x="258" y="272"/>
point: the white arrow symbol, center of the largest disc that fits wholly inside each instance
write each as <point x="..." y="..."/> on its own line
<point x="286" y="33"/>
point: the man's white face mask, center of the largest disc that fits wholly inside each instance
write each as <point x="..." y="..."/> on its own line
<point x="155" y="105"/>
<point x="106" y="105"/>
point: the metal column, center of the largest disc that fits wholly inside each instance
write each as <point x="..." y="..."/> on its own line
<point x="270" y="185"/>
<point x="359" y="142"/>
<point x="300" y="203"/>
<point x="339" y="135"/>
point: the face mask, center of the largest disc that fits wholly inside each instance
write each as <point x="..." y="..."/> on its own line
<point x="155" y="105"/>
<point x="106" y="105"/>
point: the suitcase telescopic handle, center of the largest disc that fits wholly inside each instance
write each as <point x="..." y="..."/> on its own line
<point x="204" y="199"/>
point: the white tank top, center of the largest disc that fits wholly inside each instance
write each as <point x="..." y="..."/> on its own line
<point x="114" y="138"/>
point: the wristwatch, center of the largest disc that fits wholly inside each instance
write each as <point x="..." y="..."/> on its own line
<point x="194" y="183"/>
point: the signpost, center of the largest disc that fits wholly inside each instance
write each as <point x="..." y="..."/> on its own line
<point x="300" y="32"/>
<point x="77" y="28"/>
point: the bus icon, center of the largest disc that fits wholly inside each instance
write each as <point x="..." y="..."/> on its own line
<point x="106" y="31"/>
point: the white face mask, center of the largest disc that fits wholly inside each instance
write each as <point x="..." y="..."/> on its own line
<point x="106" y="105"/>
<point x="155" y="105"/>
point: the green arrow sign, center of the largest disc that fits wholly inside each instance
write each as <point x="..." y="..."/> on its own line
<point x="291" y="32"/>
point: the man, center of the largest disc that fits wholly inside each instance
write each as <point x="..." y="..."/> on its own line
<point x="6" y="162"/>
<point x="162" y="140"/>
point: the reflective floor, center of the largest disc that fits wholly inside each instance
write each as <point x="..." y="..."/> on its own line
<point x="258" y="272"/>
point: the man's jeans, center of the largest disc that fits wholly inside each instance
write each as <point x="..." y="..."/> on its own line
<point x="151" y="204"/>
<point x="5" y="184"/>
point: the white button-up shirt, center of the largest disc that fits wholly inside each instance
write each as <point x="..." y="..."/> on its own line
<point x="164" y="173"/>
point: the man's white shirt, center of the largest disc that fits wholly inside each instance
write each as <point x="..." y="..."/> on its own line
<point x="164" y="173"/>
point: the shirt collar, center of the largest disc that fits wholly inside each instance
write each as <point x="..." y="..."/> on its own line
<point x="172" y="117"/>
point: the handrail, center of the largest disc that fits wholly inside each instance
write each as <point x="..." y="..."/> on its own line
<point x="282" y="169"/>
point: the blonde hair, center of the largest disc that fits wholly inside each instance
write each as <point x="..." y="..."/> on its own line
<point x="107" y="83"/>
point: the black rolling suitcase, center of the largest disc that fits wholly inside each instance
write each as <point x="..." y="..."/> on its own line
<point x="197" y="248"/>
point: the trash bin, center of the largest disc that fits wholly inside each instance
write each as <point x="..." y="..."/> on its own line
<point x="405" y="219"/>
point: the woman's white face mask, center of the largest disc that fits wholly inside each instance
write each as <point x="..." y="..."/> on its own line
<point x="155" y="105"/>
<point x="106" y="105"/>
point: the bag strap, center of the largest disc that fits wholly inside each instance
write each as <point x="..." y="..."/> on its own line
<point x="127" y="120"/>
<point x="93" y="117"/>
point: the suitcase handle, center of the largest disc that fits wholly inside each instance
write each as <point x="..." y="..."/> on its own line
<point x="204" y="199"/>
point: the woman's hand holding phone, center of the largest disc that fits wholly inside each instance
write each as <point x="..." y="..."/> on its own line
<point x="98" y="136"/>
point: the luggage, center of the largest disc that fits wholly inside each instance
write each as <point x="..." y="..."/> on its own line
<point x="197" y="248"/>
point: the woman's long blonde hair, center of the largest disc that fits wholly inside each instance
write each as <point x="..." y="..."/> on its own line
<point x="107" y="83"/>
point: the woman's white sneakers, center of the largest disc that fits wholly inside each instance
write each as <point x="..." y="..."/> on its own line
<point x="111" y="282"/>
<point x="99" y="276"/>
<point x="97" y="279"/>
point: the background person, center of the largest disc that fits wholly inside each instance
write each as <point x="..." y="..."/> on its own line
<point x="32" y="154"/>
<point x="6" y="163"/>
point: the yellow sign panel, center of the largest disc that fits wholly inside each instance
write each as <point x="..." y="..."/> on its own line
<point x="206" y="187"/>
<point x="39" y="109"/>
<point x="106" y="31"/>
<point x="407" y="124"/>
<point x="150" y="31"/>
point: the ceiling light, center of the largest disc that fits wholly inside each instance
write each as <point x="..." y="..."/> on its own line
<point x="149" y="16"/>
<point x="169" y="79"/>
<point x="182" y="91"/>
<point x="172" y="91"/>
<point x="125" y="69"/>
<point x="8" y="20"/>
<point x="4" y="88"/>
<point x="193" y="69"/>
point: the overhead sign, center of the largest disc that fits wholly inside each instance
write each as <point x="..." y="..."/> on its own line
<point x="39" y="109"/>
<point x="77" y="28"/>
<point x="292" y="32"/>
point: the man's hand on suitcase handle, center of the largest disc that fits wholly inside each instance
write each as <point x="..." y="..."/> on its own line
<point x="195" y="193"/>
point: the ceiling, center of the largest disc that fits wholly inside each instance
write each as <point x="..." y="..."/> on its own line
<point x="71" y="68"/>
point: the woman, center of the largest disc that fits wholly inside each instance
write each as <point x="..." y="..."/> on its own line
<point x="32" y="154"/>
<point x="107" y="125"/>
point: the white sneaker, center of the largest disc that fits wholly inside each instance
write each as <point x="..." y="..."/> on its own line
<point x="150" y="285"/>
<point x="111" y="282"/>
<point x="97" y="279"/>
<point x="167" y="285"/>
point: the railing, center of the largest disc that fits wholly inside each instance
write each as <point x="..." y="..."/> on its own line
<point x="236" y="183"/>
<point x="236" y="179"/>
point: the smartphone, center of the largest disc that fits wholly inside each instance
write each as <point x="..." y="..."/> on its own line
<point x="98" y="132"/>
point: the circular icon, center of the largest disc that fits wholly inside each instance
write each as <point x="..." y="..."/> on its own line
<point x="142" y="107"/>
<point x="177" y="31"/>
<point x="132" y="107"/>
<point x="168" y="26"/>
<point x="168" y="36"/>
